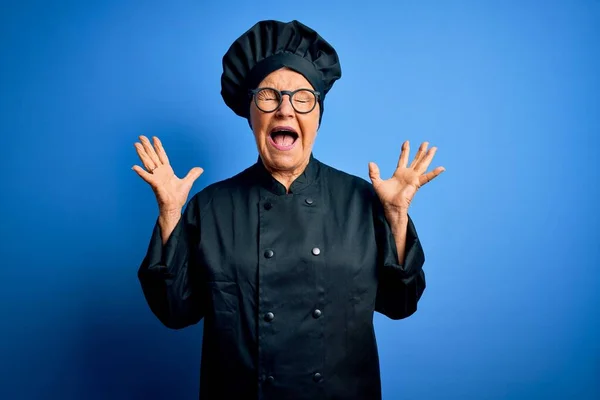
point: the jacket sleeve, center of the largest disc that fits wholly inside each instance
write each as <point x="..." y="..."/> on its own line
<point x="400" y="286"/>
<point x="169" y="275"/>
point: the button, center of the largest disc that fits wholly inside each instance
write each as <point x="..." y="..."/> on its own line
<point x="268" y="206"/>
<point x="316" y="251"/>
<point x="309" y="201"/>
<point x="269" y="253"/>
<point x="269" y="316"/>
<point x="317" y="313"/>
<point x="317" y="377"/>
<point x="270" y="379"/>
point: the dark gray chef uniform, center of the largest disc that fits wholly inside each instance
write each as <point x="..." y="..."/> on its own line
<point x="287" y="284"/>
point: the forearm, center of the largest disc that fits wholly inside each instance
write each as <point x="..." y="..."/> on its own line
<point x="167" y="275"/>
<point x="398" y="221"/>
<point x="402" y="280"/>
<point x="167" y="223"/>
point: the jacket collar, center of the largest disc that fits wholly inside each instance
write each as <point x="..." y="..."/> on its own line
<point x="308" y="177"/>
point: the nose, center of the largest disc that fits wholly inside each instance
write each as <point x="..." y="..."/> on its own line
<point x="285" y="109"/>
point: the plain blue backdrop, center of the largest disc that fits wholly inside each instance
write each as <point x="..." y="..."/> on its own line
<point x="509" y="91"/>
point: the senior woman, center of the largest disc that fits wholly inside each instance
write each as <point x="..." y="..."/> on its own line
<point x="286" y="261"/>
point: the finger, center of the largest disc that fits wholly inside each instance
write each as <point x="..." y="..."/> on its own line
<point x="160" y="151"/>
<point x="145" y="175"/>
<point x="403" y="160"/>
<point x="141" y="151"/>
<point x="420" y="153"/>
<point x="422" y="165"/>
<point x="193" y="174"/>
<point x="374" y="173"/>
<point x="428" y="177"/>
<point x="150" y="150"/>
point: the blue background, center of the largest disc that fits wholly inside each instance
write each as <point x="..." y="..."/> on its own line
<point x="508" y="90"/>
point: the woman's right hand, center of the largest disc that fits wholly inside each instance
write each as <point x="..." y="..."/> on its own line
<point x="171" y="192"/>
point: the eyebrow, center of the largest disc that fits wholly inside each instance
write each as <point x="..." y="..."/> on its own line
<point x="270" y="85"/>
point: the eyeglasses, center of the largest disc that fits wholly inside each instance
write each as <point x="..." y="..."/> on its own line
<point x="268" y="99"/>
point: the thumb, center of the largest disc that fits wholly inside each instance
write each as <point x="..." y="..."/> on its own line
<point x="374" y="173"/>
<point x="193" y="174"/>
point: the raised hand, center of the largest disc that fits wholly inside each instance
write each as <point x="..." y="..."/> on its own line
<point x="171" y="192"/>
<point x="397" y="192"/>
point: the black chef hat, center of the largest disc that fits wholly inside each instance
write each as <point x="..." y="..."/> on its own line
<point x="268" y="46"/>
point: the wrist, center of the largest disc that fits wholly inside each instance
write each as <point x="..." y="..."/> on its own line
<point x="395" y="212"/>
<point x="169" y="215"/>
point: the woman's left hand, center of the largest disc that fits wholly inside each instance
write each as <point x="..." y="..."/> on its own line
<point x="397" y="192"/>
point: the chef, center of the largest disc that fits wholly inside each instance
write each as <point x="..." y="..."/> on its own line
<point x="287" y="261"/>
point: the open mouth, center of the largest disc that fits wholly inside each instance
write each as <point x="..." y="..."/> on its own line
<point x="283" y="138"/>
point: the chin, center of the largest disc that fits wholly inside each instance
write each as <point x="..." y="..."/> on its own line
<point x="283" y="162"/>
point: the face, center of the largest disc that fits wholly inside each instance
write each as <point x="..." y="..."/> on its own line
<point x="281" y="151"/>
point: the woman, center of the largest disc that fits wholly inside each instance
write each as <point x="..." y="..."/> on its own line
<point x="287" y="261"/>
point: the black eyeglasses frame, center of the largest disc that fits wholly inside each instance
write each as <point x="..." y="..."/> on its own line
<point x="252" y="94"/>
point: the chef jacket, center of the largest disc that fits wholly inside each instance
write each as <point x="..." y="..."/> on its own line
<point x="287" y="284"/>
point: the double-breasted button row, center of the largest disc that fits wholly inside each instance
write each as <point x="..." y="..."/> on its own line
<point x="270" y="253"/>
<point x="270" y="316"/>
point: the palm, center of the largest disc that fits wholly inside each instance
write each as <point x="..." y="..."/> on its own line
<point x="171" y="191"/>
<point x="398" y="191"/>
